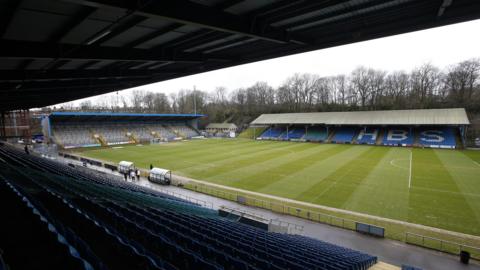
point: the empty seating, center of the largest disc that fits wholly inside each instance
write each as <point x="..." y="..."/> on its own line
<point x="28" y="240"/>
<point x="437" y="137"/>
<point x="72" y="135"/>
<point x="117" y="225"/>
<point x="344" y="134"/>
<point x="368" y="135"/>
<point x="112" y="133"/>
<point x="294" y="133"/>
<point x="316" y="134"/>
<point x="273" y="133"/>
<point x="184" y="131"/>
<point x="398" y="136"/>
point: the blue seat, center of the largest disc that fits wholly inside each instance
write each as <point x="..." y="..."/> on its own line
<point x="344" y="134"/>
<point x="440" y="137"/>
<point x="398" y="136"/>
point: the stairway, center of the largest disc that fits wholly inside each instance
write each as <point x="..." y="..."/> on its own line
<point x="458" y="140"/>
<point x="416" y="138"/>
<point x="100" y="139"/>
<point x="355" y="138"/>
<point x="172" y="130"/>
<point x="131" y="136"/>
<point x="380" y="134"/>
<point x="330" y="136"/>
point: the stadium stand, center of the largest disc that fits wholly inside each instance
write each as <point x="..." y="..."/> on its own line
<point x="316" y="134"/>
<point x="272" y="133"/>
<point x="113" y="133"/>
<point x="184" y="130"/>
<point x="141" y="132"/>
<point x="368" y="135"/>
<point x="72" y="130"/>
<point x="118" y="225"/>
<point x="296" y="133"/>
<point x="436" y="128"/>
<point x="441" y="137"/>
<point x="344" y="134"/>
<point x="398" y="136"/>
<point x="74" y="135"/>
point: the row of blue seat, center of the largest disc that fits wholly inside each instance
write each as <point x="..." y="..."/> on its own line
<point x="122" y="226"/>
<point x="392" y="136"/>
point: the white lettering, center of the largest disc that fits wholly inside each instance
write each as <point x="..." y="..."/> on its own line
<point x="397" y="135"/>
<point x="373" y="134"/>
<point x="432" y="136"/>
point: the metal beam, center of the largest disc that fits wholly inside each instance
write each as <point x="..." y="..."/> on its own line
<point x="155" y="34"/>
<point x="39" y="50"/>
<point x="7" y="11"/>
<point x="187" y="12"/>
<point x="227" y="4"/>
<point x="224" y="44"/>
<point x="135" y="20"/>
<point x="286" y="9"/>
<point x="344" y="13"/>
<point x="200" y="41"/>
<point x="72" y="23"/>
<point x="443" y="7"/>
<point x="16" y="76"/>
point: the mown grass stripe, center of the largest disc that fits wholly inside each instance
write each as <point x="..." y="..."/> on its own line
<point x="241" y="173"/>
<point x="455" y="162"/>
<point x="265" y="178"/>
<point x="388" y="182"/>
<point x="343" y="182"/>
<point x="428" y="204"/>
<point x="243" y="161"/>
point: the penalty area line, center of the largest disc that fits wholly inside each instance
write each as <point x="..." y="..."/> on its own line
<point x="410" y="171"/>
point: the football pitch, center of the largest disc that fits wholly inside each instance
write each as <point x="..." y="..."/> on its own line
<point x="433" y="187"/>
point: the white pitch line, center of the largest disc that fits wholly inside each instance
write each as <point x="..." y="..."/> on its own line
<point x="478" y="164"/>
<point x="410" y="174"/>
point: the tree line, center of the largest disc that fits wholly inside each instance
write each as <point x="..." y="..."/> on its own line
<point x="364" y="88"/>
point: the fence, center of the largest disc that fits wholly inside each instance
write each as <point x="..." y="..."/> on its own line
<point x="346" y="223"/>
<point x="441" y="245"/>
<point x="277" y="207"/>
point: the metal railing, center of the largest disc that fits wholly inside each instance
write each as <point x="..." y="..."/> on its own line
<point x="441" y="245"/>
<point x="278" y="207"/>
<point x="346" y="223"/>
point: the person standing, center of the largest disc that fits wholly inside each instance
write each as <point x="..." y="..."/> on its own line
<point x="132" y="175"/>
<point x="138" y="175"/>
<point x="26" y="150"/>
<point x="125" y="176"/>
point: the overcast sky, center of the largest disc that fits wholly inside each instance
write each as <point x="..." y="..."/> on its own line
<point x="441" y="47"/>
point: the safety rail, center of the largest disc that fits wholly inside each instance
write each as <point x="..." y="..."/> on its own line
<point x="441" y="245"/>
<point x="346" y="223"/>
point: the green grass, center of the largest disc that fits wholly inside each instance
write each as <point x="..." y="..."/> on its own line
<point x="444" y="190"/>
<point x="251" y="133"/>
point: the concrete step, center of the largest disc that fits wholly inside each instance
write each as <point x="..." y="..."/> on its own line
<point x="384" y="266"/>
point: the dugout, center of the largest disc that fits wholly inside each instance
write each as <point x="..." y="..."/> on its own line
<point x="160" y="176"/>
<point x="125" y="166"/>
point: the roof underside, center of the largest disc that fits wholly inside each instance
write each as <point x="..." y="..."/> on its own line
<point x="54" y="51"/>
<point x="395" y="117"/>
<point x="103" y="117"/>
